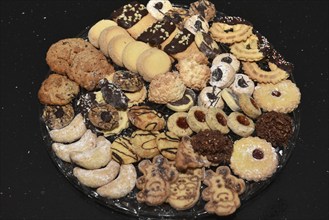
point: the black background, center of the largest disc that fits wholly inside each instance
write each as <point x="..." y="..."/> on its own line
<point x="32" y="188"/>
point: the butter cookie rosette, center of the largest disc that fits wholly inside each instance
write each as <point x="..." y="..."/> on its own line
<point x="166" y="88"/>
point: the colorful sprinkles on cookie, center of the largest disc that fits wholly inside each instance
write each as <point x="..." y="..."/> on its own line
<point x="168" y="107"/>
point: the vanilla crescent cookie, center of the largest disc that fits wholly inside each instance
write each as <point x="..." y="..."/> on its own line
<point x="177" y="123"/>
<point x="144" y="143"/>
<point x="242" y="85"/>
<point x="63" y="151"/>
<point x="196" y="118"/>
<point x="222" y="75"/>
<point x="94" y="158"/>
<point x="253" y="159"/>
<point x="122" y="185"/>
<point x="98" y="177"/>
<point x="229" y="59"/>
<point x="217" y="120"/>
<point x="71" y="132"/>
<point x="166" y="88"/>
<point x="240" y="124"/>
<point x="95" y="31"/>
<point x="168" y="143"/>
<point x="255" y="48"/>
<point x="231" y="29"/>
<point x="211" y="97"/>
<point x="158" y="8"/>
<point x="282" y="97"/>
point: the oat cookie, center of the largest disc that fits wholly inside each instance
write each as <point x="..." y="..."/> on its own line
<point x="222" y="192"/>
<point x="60" y="55"/>
<point x="57" y="90"/>
<point x="88" y="67"/>
<point x="156" y="180"/>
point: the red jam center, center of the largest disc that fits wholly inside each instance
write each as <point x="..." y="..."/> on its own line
<point x="253" y="103"/>
<point x="276" y="93"/>
<point x="200" y="116"/>
<point x="182" y="123"/>
<point x="221" y="119"/>
<point x="243" y="120"/>
<point x="258" y="154"/>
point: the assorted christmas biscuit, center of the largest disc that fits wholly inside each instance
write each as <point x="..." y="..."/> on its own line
<point x="171" y="105"/>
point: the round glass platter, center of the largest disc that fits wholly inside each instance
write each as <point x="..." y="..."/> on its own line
<point x="129" y="204"/>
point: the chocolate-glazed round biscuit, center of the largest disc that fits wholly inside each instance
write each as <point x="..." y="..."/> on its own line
<point x="57" y="117"/>
<point x="217" y="147"/>
<point x="274" y="127"/>
<point x="128" y="81"/>
<point x="104" y="116"/>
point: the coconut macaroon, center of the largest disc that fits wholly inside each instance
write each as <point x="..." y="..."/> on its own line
<point x="166" y="88"/>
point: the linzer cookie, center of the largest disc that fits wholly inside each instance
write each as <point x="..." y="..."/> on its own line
<point x="282" y="97"/>
<point x="231" y="29"/>
<point x="177" y="124"/>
